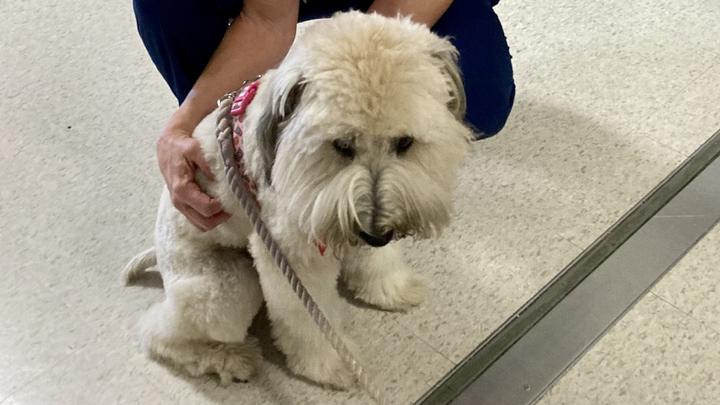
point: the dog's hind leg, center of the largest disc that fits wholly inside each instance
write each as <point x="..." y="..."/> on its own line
<point x="380" y="277"/>
<point x="201" y="327"/>
<point x="307" y="351"/>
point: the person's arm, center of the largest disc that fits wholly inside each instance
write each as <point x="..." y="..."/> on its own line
<point x="427" y="12"/>
<point x="256" y="41"/>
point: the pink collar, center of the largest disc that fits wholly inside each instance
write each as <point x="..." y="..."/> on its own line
<point x="240" y="104"/>
<point x="243" y="99"/>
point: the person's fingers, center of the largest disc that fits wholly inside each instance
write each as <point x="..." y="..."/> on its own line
<point x="217" y="219"/>
<point x="194" y="217"/>
<point x="190" y="194"/>
<point x="204" y="223"/>
<point x="194" y="153"/>
<point x="180" y="163"/>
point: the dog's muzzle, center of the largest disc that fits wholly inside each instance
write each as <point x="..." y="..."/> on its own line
<point x="377" y="241"/>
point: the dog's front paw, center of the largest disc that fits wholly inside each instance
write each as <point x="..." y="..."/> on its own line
<point x="329" y="371"/>
<point x="397" y="291"/>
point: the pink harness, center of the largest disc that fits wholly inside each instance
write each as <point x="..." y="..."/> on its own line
<point x="240" y="104"/>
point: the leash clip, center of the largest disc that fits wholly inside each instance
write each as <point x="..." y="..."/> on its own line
<point x="233" y="94"/>
<point x="227" y="96"/>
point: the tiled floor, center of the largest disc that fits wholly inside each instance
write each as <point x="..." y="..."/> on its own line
<point x="610" y="98"/>
<point x="666" y="350"/>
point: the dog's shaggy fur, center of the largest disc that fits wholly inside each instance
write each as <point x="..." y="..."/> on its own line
<point x="324" y="142"/>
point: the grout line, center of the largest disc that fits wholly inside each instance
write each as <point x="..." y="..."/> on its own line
<point x="687" y="314"/>
<point x="436" y="350"/>
<point x="670" y="102"/>
<point x="580" y="249"/>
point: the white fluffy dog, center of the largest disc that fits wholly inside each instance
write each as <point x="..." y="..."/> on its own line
<point x="353" y="141"/>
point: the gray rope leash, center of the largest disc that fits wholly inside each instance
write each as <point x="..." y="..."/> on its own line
<point x="224" y="133"/>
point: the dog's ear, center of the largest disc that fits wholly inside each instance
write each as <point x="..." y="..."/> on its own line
<point x="448" y="57"/>
<point x="285" y="96"/>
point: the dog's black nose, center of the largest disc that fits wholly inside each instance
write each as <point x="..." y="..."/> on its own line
<point x="377" y="241"/>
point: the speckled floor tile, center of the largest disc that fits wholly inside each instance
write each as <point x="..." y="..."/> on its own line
<point x="681" y="113"/>
<point x="655" y="355"/>
<point x="36" y="330"/>
<point x="687" y="120"/>
<point x="85" y="166"/>
<point x="608" y="84"/>
<point x="563" y="167"/>
<point x="615" y="62"/>
<point x="693" y="285"/>
<point x="96" y="374"/>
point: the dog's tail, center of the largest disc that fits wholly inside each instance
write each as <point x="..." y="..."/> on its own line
<point x="137" y="265"/>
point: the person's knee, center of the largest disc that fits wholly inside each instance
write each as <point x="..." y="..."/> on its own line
<point x="486" y="64"/>
<point x="181" y="36"/>
<point x="488" y="113"/>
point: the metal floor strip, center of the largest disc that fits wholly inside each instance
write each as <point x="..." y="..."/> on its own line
<point x="539" y="342"/>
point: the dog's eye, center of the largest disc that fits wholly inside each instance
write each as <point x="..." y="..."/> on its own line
<point x="403" y="144"/>
<point x="344" y="147"/>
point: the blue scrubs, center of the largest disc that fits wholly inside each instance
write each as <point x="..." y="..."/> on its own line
<point x="181" y="36"/>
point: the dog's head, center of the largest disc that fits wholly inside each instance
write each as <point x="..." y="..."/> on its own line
<point x="358" y="134"/>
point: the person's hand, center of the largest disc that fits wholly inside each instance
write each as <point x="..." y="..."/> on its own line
<point x="179" y="155"/>
<point x="264" y="30"/>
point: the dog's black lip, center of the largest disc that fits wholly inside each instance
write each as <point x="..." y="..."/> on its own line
<point x="376" y="241"/>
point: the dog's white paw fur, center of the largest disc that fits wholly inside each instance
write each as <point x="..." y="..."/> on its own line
<point x="400" y="291"/>
<point x="328" y="370"/>
<point x="231" y="362"/>
<point x="380" y="277"/>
